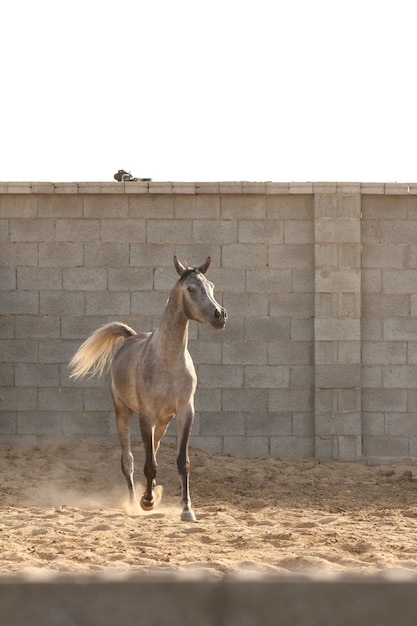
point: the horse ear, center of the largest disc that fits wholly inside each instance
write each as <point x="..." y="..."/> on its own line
<point x="178" y="265"/>
<point x="203" y="268"/>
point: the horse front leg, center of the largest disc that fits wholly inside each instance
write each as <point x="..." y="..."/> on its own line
<point x="147" y="501"/>
<point x="185" y="423"/>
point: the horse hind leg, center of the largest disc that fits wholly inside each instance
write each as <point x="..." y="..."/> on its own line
<point x="123" y="421"/>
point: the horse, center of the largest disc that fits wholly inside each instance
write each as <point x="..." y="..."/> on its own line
<point x="152" y="374"/>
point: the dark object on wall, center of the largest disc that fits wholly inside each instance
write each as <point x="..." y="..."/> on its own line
<point x="126" y="177"/>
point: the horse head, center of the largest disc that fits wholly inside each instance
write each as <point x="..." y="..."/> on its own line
<point x="198" y="295"/>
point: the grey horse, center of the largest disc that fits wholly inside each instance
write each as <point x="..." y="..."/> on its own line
<point x="153" y="374"/>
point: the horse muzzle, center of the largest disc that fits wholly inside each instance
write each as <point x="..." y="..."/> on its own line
<point x="220" y="317"/>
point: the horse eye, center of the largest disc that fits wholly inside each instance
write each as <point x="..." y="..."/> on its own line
<point x="190" y="289"/>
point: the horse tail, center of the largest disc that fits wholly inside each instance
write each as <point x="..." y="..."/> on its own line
<point x="96" y="353"/>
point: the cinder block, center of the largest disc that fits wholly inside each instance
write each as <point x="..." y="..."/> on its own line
<point x="126" y="230"/>
<point x="78" y="230"/>
<point x="19" y="303"/>
<point x="290" y="255"/>
<point x="18" y="206"/>
<point x="268" y="425"/>
<point x="244" y="255"/>
<point x="102" y="206"/>
<point x="303" y="425"/>
<point x="399" y="281"/>
<point x="215" y="424"/>
<point x="7" y="279"/>
<point x="18" y="254"/>
<point x="107" y="303"/>
<point x="151" y="206"/>
<point x="107" y="254"/>
<point x="399" y="376"/>
<point x="331" y="329"/>
<point x="383" y="400"/>
<point x="218" y="376"/>
<point x="214" y="231"/>
<point x="284" y="206"/>
<point x="19" y="399"/>
<point x="60" y="205"/>
<point x="336" y="376"/>
<point x="246" y="446"/>
<point x="57" y="350"/>
<point x="383" y="255"/>
<point x="269" y="280"/>
<point x="244" y="352"/>
<point x="298" y="232"/>
<point x="261" y="231"/>
<point x="60" y="398"/>
<point x="62" y="254"/>
<point x="130" y="279"/>
<point x="84" y="279"/>
<point x="337" y="280"/>
<point x="302" y="329"/>
<point x="6" y="374"/>
<point x="168" y="231"/>
<point x="37" y="326"/>
<point x="400" y="329"/>
<point x="291" y="305"/>
<point x="19" y="350"/>
<point x="80" y="326"/>
<point x="211" y="444"/>
<point x="97" y="399"/>
<point x="301" y="377"/>
<point x="32" y="229"/>
<point x="8" y="424"/>
<point x="303" y="280"/>
<point x="206" y="207"/>
<point x="386" y="446"/>
<point x="400" y="424"/>
<point x="151" y="255"/>
<point x="39" y="423"/>
<point x="36" y="375"/>
<point x="247" y="305"/>
<point x="39" y="278"/>
<point x="205" y="352"/>
<point x="349" y="448"/>
<point x="86" y="424"/>
<point x="325" y="448"/>
<point x="292" y="447"/>
<point x="266" y="376"/>
<point x="245" y="400"/>
<point x="290" y="353"/>
<point x="59" y="303"/>
<point x="341" y="230"/>
<point x="239" y="207"/>
<point x="373" y="424"/>
<point x="145" y="303"/>
<point x="294" y="400"/>
<point x="207" y="400"/>
<point x="340" y="424"/>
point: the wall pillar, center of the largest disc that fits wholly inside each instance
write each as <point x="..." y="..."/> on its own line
<point x="337" y="317"/>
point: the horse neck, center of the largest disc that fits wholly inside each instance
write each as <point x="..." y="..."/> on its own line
<point x="172" y="332"/>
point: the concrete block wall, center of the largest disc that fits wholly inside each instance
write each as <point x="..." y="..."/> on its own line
<point x="319" y="354"/>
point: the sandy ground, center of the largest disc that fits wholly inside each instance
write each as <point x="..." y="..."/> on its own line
<point x="62" y="511"/>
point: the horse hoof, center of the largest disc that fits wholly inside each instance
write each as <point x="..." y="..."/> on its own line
<point x="147" y="505"/>
<point x="188" y="516"/>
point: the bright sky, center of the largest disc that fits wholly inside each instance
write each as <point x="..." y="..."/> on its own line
<point x="200" y="90"/>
